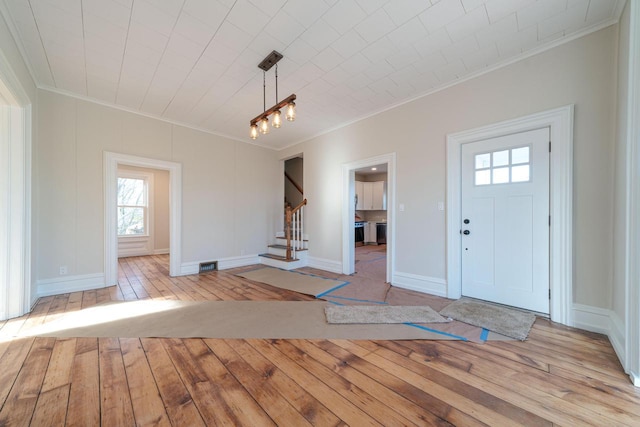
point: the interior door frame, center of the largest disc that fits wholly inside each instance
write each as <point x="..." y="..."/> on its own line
<point x="111" y="162"/>
<point x="16" y="195"/>
<point x="349" y="211"/>
<point x="560" y="123"/>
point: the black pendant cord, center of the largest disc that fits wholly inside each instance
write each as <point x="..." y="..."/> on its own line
<point x="264" y="91"/>
<point x="276" y="83"/>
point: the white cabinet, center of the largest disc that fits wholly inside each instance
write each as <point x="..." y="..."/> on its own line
<point x="378" y="199"/>
<point x="370" y="232"/>
<point x="371" y="196"/>
<point x="359" y="195"/>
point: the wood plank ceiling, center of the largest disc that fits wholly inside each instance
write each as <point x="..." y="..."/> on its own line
<point x="195" y="61"/>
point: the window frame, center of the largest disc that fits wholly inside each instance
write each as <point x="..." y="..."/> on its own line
<point x="509" y="166"/>
<point x="147" y="210"/>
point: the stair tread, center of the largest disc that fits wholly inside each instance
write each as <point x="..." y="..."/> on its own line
<point x="283" y="247"/>
<point x="278" y="257"/>
<point x="284" y="238"/>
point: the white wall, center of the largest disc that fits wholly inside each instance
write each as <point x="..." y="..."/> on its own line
<point x="229" y="194"/>
<point x="581" y="72"/>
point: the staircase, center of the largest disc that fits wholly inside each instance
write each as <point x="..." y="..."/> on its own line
<point x="290" y="250"/>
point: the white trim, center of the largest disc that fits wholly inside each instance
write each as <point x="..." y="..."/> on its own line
<point x="134" y="246"/>
<point x="425" y="284"/>
<point x="325" y="264"/>
<point x="238" y="261"/>
<point x="192" y="267"/>
<point x="161" y="251"/>
<point x="631" y="360"/>
<point x="15" y="195"/>
<point x="617" y="334"/>
<point x="15" y="206"/>
<point x="85" y="98"/>
<point x="635" y="378"/>
<point x="67" y="284"/>
<point x="594" y="319"/>
<point x="111" y="162"/>
<point x="348" y="211"/>
<point x="560" y="122"/>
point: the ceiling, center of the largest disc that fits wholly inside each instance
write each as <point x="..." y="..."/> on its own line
<point x="369" y="170"/>
<point x="194" y="62"/>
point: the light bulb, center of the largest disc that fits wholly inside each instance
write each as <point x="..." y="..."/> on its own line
<point x="264" y="126"/>
<point x="291" y="111"/>
<point x="254" y="131"/>
<point x="277" y="119"/>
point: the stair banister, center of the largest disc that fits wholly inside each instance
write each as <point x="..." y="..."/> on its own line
<point x="294" y="220"/>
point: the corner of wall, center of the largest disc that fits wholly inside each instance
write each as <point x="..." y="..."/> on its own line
<point x="415" y="282"/>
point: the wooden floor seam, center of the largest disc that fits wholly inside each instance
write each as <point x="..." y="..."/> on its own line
<point x="558" y="376"/>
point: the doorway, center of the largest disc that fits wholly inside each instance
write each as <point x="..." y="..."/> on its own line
<point x="349" y="212"/>
<point x="370" y="231"/>
<point x="560" y="124"/>
<point x="112" y="161"/>
<point x="143" y="211"/>
<point x="505" y="227"/>
<point x="15" y="193"/>
<point x="294" y="181"/>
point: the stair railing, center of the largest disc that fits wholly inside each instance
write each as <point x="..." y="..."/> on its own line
<point x="294" y="226"/>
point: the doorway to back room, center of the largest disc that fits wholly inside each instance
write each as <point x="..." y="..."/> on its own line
<point x="370" y="222"/>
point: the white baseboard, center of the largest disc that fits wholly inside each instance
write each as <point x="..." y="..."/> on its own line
<point x="617" y="334"/>
<point x="592" y="319"/>
<point x="635" y="378"/>
<point x="223" y="264"/>
<point x="161" y="251"/>
<point x="67" y="284"/>
<point x="425" y="284"/>
<point x="325" y="264"/>
<point x="239" y="261"/>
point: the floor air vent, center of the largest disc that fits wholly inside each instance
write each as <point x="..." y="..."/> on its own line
<point x="206" y="267"/>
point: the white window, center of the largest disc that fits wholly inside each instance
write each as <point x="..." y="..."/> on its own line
<point x="133" y="206"/>
<point x="503" y="167"/>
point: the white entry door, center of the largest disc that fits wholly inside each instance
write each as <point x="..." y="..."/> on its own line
<point x="505" y="220"/>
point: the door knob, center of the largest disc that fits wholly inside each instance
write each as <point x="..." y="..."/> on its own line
<point x="466" y="232"/>
<point x="466" y="221"/>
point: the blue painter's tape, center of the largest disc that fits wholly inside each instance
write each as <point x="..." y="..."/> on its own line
<point x="358" y="300"/>
<point x="335" y="302"/>
<point x="437" y="331"/>
<point x="333" y="289"/>
<point x="484" y="335"/>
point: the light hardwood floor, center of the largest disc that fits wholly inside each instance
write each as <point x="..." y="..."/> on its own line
<point x="559" y="376"/>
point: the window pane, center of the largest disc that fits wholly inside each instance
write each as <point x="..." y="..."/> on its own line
<point x="131" y="192"/>
<point x="501" y="158"/>
<point x="130" y="221"/>
<point x="483" y="161"/>
<point x="483" y="177"/>
<point x="520" y="155"/>
<point x="520" y="173"/>
<point x="501" y="175"/>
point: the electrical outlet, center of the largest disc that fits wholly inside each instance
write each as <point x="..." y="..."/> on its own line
<point x="63" y="270"/>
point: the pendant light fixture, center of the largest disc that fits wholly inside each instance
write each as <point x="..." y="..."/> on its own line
<point x="260" y="123"/>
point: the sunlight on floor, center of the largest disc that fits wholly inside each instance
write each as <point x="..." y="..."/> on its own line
<point x="102" y="314"/>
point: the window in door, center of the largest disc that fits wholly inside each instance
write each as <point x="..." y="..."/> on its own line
<point x="133" y="206"/>
<point x="503" y="166"/>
